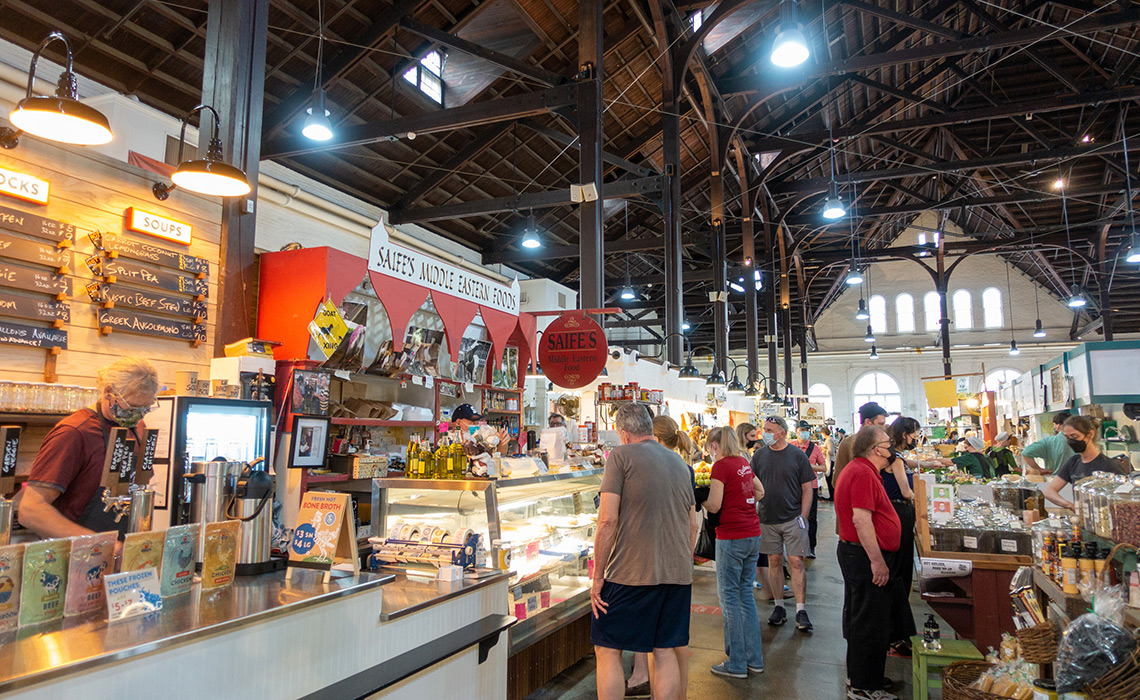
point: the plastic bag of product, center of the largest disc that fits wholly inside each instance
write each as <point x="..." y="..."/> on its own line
<point x="1093" y="644"/>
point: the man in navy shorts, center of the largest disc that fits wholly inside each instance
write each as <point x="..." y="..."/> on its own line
<point x="643" y="561"/>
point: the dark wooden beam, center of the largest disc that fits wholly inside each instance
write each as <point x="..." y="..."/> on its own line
<point x="573" y="142"/>
<point x="509" y="63"/>
<point x="903" y="19"/>
<point x="465" y="117"/>
<point x="484" y="137"/>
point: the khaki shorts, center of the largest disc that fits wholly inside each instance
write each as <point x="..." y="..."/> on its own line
<point x="781" y="537"/>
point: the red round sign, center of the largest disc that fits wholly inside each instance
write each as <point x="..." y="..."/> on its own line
<point x="573" y="351"/>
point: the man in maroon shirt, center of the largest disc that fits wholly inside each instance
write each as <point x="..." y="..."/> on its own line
<point x="62" y="496"/>
<point x="869" y="532"/>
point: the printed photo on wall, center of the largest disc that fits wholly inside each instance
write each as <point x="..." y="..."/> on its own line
<point x="311" y="392"/>
<point x="388" y="363"/>
<point x="507" y="375"/>
<point x="472" y="365"/>
<point x="310" y="441"/>
<point x="349" y="354"/>
<point x="422" y="347"/>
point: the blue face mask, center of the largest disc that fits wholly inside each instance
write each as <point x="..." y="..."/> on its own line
<point x="768" y="438"/>
<point x="805" y="434"/>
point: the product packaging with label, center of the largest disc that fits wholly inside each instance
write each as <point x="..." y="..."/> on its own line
<point x="11" y="560"/>
<point x="219" y="553"/>
<point x="44" y="581"/>
<point x="177" y="573"/>
<point x="143" y="549"/>
<point x="91" y="557"/>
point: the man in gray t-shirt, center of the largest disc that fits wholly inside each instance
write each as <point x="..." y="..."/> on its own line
<point x="643" y="560"/>
<point x="787" y="476"/>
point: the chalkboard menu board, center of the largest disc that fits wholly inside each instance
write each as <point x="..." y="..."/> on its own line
<point x="118" y="295"/>
<point x="25" y="306"/>
<point x="34" y="225"/>
<point x="31" y="336"/>
<point x="147" y="324"/>
<point x="119" y="246"/>
<point x="123" y="271"/>
<point x="15" y="248"/>
<point x="33" y="280"/>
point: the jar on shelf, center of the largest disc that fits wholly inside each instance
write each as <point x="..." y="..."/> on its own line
<point x="1006" y="495"/>
<point x="945" y="537"/>
<point x="1013" y="538"/>
<point x="1125" y="510"/>
<point x="1102" y="494"/>
<point x="1083" y="500"/>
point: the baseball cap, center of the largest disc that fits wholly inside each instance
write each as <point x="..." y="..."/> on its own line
<point x="1001" y="436"/>
<point x="778" y="420"/>
<point x="976" y="442"/>
<point x="466" y="411"/>
<point x="871" y="410"/>
<point x="803" y="424"/>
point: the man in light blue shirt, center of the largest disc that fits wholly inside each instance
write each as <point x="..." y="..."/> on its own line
<point x="1054" y="449"/>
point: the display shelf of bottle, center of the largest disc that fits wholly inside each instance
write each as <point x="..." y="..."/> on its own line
<point x="380" y="423"/>
<point x="501" y="411"/>
<point x="1074" y="605"/>
<point x="619" y="402"/>
<point x="31" y="418"/>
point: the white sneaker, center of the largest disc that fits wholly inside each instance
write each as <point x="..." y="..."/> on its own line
<point x="856" y="694"/>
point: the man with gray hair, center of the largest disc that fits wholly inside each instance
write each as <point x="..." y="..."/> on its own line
<point x="63" y="495"/>
<point x="643" y="560"/>
<point x="787" y="477"/>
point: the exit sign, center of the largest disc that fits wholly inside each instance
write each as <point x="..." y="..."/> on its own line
<point x="158" y="226"/>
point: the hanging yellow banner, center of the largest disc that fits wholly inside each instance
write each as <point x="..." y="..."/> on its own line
<point x="942" y="393"/>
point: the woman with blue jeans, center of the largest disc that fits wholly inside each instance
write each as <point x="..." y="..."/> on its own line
<point x="733" y="493"/>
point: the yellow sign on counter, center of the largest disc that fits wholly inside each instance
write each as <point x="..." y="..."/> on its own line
<point x="323" y="535"/>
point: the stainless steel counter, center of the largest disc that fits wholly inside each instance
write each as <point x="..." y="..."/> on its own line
<point x="409" y="594"/>
<point x="45" y="652"/>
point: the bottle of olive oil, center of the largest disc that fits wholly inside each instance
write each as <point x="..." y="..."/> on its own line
<point x="442" y="462"/>
<point x="411" y="464"/>
<point x="458" y="460"/>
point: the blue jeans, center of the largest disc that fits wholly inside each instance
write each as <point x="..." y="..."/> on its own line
<point x="735" y="571"/>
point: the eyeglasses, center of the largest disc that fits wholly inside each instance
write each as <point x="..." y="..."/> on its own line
<point x="145" y="409"/>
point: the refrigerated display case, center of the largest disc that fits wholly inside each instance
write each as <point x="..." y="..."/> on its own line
<point x="538" y="528"/>
<point x="193" y="429"/>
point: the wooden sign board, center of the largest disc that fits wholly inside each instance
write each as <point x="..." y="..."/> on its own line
<point x="119" y="246"/>
<point x="15" y="248"/>
<point x="131" y="322"/>
<point x="32" y="336"/>
<point x="33" y="280"/>
<point x="118" y="270"/>
<point x="145" y="469"/>
<point x="23" y="186"/>
<point x="117" y="295"/>
<point x="573" y="350"/>
<point x="10" y="444"/>
<point x="323" y="536"/>
<point x="24" y="306"/>
<point x="38" y="226"/>
<point x="116" y="458"/>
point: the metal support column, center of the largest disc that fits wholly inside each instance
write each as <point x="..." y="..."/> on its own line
<point x="943" y="283"/>
<point x="233" y="80"/>
<point x="720" y="284"/>
<point x="771" y="311"/>
<point x="751" y="320"/>
<point x="592" y="280"/>
<point x="803" y="360"/>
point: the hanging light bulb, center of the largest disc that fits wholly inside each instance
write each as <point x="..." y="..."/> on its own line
<point x="536" y="372"/>
<point x="60" y="117"/>
<point x="627" y="293"/>
<point x="735" y="387"/>
<point x="689" y="373"/>
<point x="833" y="207"/>
<point x="715" y="378"/>
<point x="1077" y="298"/>
<point x="1013" y="348"/>
<point x="317" y="125"/>
<point x="530" y="236"/>
<point x="861" y="314"/>
<point x="1133" y="255"/>
<point x="790" y="48"/>
<point x="854" y="277"/>
<point x="874" y="352"/>
<point x="870" y="337"/>
<point x="1038" y="331"/>
<point x="210" y="175"/>
<point x="685" y="326"/>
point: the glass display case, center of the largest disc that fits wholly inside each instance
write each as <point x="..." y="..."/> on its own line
<point x="539" y="528"/>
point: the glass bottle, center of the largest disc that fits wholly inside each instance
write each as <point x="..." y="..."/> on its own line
<point x="458" y="461"/>
<point x="442" y="462"/>
<point x="411" y="464"/>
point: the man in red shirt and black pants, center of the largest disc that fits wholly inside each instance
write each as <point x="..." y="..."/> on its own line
<point x="869" y="532"/>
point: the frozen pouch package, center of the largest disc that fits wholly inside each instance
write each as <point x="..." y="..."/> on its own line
<point x="11" y="562"/>
<point x="143" y="549"/>
<point x="178" y="552"/>
<point x="91" y="557"/>
<point x="44" y="581"/>
<point x="219" y="553"/>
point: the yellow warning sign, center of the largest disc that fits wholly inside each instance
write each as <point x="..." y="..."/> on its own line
<point x="328" y="328"/>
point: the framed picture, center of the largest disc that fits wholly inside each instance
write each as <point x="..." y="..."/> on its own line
<point x="311" y="392"/>
<point x="310" y="441"/>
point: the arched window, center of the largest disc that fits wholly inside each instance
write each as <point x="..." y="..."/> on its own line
<point x="879" y="387"/>
<point x="904" y="313"/>
<point x="963" y="314"/>
<point x="877" y="306"/>
<point x="932" y="311"/>
<point x="821" y="393"/>
<point x="1001" y="376"/>
<point x="991" y="308"/>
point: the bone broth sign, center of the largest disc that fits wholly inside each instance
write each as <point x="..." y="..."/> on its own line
<point x="158" y="226"/>
<point x="573" y="351"/>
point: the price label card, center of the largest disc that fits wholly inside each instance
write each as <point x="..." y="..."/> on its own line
<point x="132" y="593"/>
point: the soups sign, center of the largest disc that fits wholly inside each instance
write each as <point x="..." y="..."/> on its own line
<point x="573" y="350"/>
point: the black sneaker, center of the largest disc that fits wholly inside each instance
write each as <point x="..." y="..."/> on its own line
<point x="901" y="649"/>
<point x="803" y="624"/>
<point x="856" y="694"/>
<point x="638" y="691"/>
<point x="779" y="616"/>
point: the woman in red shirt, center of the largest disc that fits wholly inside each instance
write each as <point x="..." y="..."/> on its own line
<point x="734" y="493"/>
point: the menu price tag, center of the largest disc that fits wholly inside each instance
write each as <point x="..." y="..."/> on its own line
<point x="323" y="536"/>
<point x="34" y="225"/>
<point x="132" y="593"/>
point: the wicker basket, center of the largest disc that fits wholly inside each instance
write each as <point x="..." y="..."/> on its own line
<point x="1039" y="643"/>
<point x="957" y="677"/>
<point x="1121" y="683"/>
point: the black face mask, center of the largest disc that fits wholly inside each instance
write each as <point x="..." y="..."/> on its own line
<point x="1078" y="446"/>
<point x="750" y="444"/>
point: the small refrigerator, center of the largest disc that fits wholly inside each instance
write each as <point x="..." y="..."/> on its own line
<point x="193" y="429"/>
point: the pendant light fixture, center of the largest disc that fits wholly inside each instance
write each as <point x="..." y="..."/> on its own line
<point x="1076" y="298"/>
<point x="854" y="276"/>
<point x="1009" y="302"/>
<point x="685" y="325"/>
<point x="874" y="352"/>
<point x="790" y="48"/>
<point x="60" y="117"/>
<point x="530" y="235"/>
<point x="536" y="371"/>
<point x="210" y="175"/>
<point x="627" y="293"/>
<point x="833" y="206"/>
<point x="317" y="125"/>
<point x="1038" y="331"/>
<point x="861" y="314"/>
<point x="870" y="337"/>
<point x="1133" y="254"/>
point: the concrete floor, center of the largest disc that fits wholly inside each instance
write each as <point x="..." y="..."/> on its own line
<point x="797" y="665"/>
